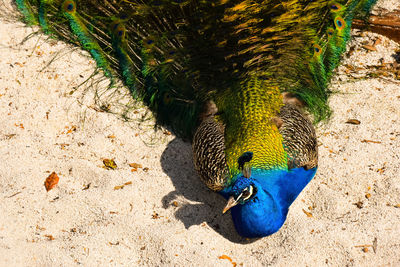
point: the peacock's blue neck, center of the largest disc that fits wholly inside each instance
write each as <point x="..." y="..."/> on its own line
<point x="265" y="213"/>
<point x="260" y="216"/>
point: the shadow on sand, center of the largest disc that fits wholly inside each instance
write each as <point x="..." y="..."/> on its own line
<point x="177" y="163"/>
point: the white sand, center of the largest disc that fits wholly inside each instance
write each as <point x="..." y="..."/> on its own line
<point x="103" y="226"/>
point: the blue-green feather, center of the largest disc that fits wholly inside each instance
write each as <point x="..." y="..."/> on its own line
<point x="42" y="15"/>
<point x="87" y="41"/>
<point x="128" y="70"/>
<point x="25" y="9"/>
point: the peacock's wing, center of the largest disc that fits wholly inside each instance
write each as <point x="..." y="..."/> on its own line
<point x="299" y="138"/>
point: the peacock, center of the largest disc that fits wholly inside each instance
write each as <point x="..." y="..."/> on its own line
<point x="244" y="80"/>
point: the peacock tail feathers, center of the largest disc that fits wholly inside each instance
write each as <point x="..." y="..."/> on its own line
<point x="176" y="55"/>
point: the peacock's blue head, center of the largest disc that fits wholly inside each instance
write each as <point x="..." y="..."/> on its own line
<point x="259" y="200"/>
<point x="255" y="211"/>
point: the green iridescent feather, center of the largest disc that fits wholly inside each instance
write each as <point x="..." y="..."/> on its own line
<point x="25" y="9"/>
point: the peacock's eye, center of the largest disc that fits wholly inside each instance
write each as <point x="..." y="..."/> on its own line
<point x="247" y="192"/>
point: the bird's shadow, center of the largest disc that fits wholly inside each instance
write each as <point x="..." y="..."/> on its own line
<point x="197" y="204"/>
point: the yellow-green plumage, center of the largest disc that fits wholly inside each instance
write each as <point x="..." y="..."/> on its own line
<point x="249" y="125"/>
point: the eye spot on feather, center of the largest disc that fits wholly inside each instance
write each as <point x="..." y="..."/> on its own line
<point x="69" y="6"/>
<point x="340" y="23"/>
<point x="330" y="32"/>
<point x="317" y="50"/>
<point x="335" y="7"/>
<point x="120" y="31"/>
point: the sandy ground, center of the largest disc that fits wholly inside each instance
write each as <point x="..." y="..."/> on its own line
<point x="164" y="216"/>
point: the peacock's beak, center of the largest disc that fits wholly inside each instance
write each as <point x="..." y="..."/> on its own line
<point x="231" y="203"/>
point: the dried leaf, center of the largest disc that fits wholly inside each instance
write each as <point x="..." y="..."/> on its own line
<point x="381" y="170"/>
<point x="370" y="141"/>
<point x="225" y="257"/>
<point x="307" y="213"/>
<point x="72" y="129"/>
<point x="369" y="47"/>
<point x="49" y="237"/>
<point x="359" y="204"/>
<point x="109" y="164"/>
<point x="19" y="125"/>
<point x="13" y="195"/>
<point x="86" y="187"/>
<point x="51" y="181"/>
<point x="135" y="165"/>
<point x="9" y="136"/>
<point x="377" y="41"/>
<point x="353" y="121"/>
<point x="122" y="186"/>
<point x="155" y="215"/>
<point x="375" y="244"/>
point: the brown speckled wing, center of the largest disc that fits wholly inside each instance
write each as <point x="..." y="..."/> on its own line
<point x="209" y="153"/>
<point x="299" y="138"/>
